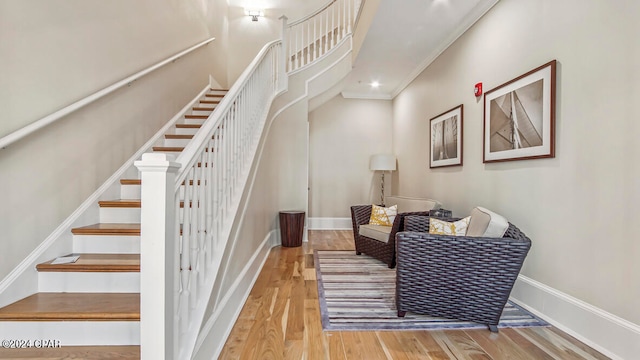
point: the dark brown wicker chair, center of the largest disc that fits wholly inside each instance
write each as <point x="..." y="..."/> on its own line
<point x="385" y="252"/>
<point x="456" y="277"/>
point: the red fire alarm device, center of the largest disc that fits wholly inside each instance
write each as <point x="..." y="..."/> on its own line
<point x="477" y="90"/>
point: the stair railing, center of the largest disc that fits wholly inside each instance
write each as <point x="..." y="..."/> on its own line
<point x="188" y="205"/>
<point x="313" y="36"/>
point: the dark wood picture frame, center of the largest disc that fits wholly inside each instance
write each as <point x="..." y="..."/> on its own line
<point x="445" y="138"/>
<point x="519" y="117"/>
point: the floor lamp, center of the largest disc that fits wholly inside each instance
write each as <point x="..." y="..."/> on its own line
<point x="383" y="163"/>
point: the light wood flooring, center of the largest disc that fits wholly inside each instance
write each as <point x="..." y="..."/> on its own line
<point x="281" y="320"/>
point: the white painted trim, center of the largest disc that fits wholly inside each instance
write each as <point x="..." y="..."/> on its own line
<point x="328" y="223"/>
<point x="318" y="60"/>
<point x="51" y="118"/>
<point x="13" y="286"/>
<point x="216" y="330"/>
<point x="74" y="333"/>
<point x="613" y="336"/>
<point x="473" y="17"/>
<point x="306" y="87"/>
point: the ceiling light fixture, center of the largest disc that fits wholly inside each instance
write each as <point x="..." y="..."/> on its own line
<point x="375" y="84"/>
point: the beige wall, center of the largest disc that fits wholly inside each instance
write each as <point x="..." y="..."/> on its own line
<point x="343" y="134"/>
<point x="579" y="207"/>
<point x="53" y="53"/>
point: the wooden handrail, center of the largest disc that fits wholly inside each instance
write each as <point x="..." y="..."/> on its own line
<point x="51" y="118"/>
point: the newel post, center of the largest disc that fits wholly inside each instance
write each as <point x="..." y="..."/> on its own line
<point x="158" y="257"/>
<point x="284" y="59"/>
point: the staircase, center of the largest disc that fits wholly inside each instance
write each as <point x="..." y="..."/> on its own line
<point x="92" y="306"/>
<point x="157" y="275"/>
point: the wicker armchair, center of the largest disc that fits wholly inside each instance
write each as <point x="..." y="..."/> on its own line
<point x="385" y="252"/>
<point x="457" y="277"/>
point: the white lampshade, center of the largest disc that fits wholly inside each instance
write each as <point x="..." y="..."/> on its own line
<point x="384" y="162"/>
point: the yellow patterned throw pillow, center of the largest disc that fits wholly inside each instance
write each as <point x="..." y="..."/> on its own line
<point x="440" y="227"/>
<point x="382" y="215"/>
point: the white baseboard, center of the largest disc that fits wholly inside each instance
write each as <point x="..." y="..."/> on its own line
<point x="613" y="336"/>
<point x="326" y="223"/>
<point x="217" y="328"/>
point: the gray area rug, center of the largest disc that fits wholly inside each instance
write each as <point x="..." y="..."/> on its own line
<point x="358" y="293"/>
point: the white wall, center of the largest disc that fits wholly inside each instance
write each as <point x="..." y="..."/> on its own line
<point x="343" y="134"/>
<point x="53" y="53"/>
<point x="246" y="37"/>
<point x="579" y="208"/>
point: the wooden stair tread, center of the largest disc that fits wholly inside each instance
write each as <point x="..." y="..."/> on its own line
<point x="96" y="263"/>
<point x="168" y="148"/>
<point x="172" y="148"/>
<point x="188" y="126"/>
<point x="128" y="352"/>
<point x="178" y="136"/>
<point x="215" y="95"/>
<point x="197" y="108"/>
<point x="139" y="182"/>
<point x="130" y="181"/>
<point x="74" y="307"/>
<point x="212" y="89"/>
<point x="120" y="203"/>
<point x="209" y="101"/>
<point x="108" y="229"/>
<point x="196" y="116"/>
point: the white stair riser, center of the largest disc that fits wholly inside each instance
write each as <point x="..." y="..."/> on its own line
<point x="186" y="131"/>
<point x="106" y="244"/>
<point x="119" y="215"/>
<point x="89" y="282"/>
<point x="130" y="192"/>
<point x="73" y="333"/>
<point x="194" y="121"/>
<point x="201" y="112"/>
<point x="176" y="142"/>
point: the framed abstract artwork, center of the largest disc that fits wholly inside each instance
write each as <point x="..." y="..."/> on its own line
<point x="519" y="117"/>
<point x="446" y="138"/>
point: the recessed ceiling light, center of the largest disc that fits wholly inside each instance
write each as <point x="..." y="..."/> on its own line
<point x="375" y="84"/>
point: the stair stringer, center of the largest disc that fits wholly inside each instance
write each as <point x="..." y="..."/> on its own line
<point x="232" y="287"/>
<point x="23" y="280"/>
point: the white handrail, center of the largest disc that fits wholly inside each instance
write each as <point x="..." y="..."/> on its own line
<point x="39" y="124"/>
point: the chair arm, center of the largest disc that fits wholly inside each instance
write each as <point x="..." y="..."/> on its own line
<point x="399" y="224"/>
<point x="360" y="214"/>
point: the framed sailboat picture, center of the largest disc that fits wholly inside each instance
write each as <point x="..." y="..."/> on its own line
<point x="446" y="138"/>
<point x="519" y="117"/>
